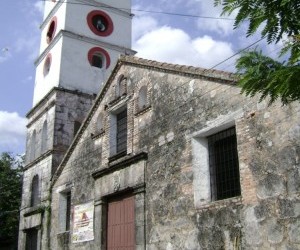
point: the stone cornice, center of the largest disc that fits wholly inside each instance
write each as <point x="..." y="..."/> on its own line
<point x="191" y="71"/>
<point x="120" y="164"/>
<point x="50" y="93"/>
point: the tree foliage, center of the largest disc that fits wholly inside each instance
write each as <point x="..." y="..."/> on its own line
<point x="10" y="196"/>
<point x="280" y="19"/>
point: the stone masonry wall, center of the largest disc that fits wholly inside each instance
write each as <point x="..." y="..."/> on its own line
<point x="59" y="110"/>
<point x="265" y="216"/>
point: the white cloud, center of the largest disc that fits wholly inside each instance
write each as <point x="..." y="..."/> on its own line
<point x="28" y="40"/>
<point x="176" y="46"/>
<point x="12" y="131"/>
<point x="39" y="7"/>
<point x="4" y="55"/>
<point x="29" y="45"/>
<point x="207" y="9"/>
<point x="142" y="25"/>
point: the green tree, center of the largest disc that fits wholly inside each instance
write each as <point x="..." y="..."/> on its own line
<point x="260" y="74"/>
<point x="10" y="196"/>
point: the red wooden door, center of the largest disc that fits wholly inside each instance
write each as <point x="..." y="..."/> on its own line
<point x="120" y="224"/>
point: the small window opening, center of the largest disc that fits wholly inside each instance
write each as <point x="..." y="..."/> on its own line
<point x="97" y="61"/>
<point x="47" y="65"/>
<point x="31" y="239"/>
<point x="100" y="23"/>
<point x="121" y="87"/>
<point x="77" y="125"/>
<point x="50" y="32"/>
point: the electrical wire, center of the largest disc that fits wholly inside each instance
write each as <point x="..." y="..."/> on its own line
<point x="146" y="11"/>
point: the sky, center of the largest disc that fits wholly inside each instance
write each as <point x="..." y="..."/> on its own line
<point x="202" y="42"/>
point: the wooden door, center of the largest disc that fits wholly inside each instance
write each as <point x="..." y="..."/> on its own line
<point x="120" y="224"/>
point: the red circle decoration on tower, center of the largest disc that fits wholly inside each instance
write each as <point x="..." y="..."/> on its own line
<point x="99" y="57"/>
<point x="51" y="29"/>
<point x="100" y="23"/>
<point x="47" y="64"/>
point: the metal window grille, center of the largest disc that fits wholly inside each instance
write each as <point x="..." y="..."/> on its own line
<point x="68" y="210"/>
<point x="122" y="131"/>
<point x="224" y="165"/>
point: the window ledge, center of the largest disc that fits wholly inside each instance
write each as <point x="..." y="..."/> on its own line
<point x="63" y="237"/>
<point x="117" y="156"/>
<point x="221" y="203"/>
<point x="120" y="164"/>
<point x="34" y="210"/>
<point x="98" y="134"/>
<point x="143" y="110"/>
<point x="117" y="99"/>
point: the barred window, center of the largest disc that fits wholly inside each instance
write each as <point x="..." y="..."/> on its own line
<point x="224" y="165"/>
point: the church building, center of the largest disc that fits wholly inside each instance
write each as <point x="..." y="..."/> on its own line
<point x="128" y="153"/>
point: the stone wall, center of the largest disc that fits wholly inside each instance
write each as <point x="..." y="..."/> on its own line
<point x="182" y="107"/>
<point x="59" y="109"/>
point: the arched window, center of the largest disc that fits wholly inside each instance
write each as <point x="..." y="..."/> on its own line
<point x="121" y="87"/>
<point x="77" y="125"/>
<point x="35" y="191"/>
<point x="142" y="98"/>
<point x="47" y="64"/>
<point x="44" y="138"/>
<point x="99" y="124"/>
<point x="33" y="146"/>
<point x="51" y="30"/>
<point x="99" y="58"/>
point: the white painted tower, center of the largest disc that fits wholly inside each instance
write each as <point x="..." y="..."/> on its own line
<point x="81" y="41"/>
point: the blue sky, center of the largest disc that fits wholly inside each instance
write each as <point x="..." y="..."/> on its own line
<point x="183" y="40"/>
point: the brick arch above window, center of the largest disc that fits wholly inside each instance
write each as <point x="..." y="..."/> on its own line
<point x="121" y="86"/>
<point x="100" y="23"/>
<point x="97" y="51"/>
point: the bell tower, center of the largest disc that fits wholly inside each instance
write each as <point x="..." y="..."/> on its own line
<point x="81" y="41"/>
